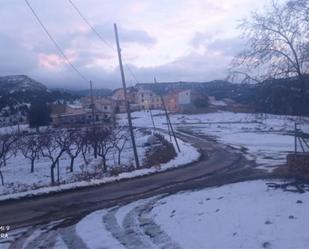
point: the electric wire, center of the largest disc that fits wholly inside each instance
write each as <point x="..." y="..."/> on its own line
<point x="54" y="41"/>
<point x="90" y="26"/>
<point x="100" y="37"/>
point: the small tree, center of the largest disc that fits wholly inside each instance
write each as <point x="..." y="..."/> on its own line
<point x="6" y="144"/>
<point x="53" y="145"/>
<point x="29" y="146"/>
<point x="92" y="138"/>
<point x="120" y="139"/>
<point x="75" y="146"/>
<point x="105" y="144"/>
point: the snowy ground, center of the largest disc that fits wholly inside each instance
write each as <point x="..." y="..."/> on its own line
<point x="19" y="182"/>
<point x="265" y="138"/>
<point x="18" y="178"/>
<point x="240" y="215"/>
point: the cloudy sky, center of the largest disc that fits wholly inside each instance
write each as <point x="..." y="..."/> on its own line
<point x="174" y="40"/>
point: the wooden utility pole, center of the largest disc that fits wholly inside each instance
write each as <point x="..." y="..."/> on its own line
<point x="168" y="118"/>
<point x="92" y="102"/>
<point x="126" y="99"/>
<point x="152" y="120"/>
<point x="93" y="121"/>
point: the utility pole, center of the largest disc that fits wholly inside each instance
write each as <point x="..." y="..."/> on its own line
<point x="152" y="120"/>
<point x="92" y="102"/>
<point x="169" y="124"/>
<point x="125" y="98"/>
<point x="93" y="121"/>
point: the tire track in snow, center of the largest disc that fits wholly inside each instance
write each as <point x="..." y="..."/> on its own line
<point x="43" y="241"/>
<point x="71" y="239"/>
<point x="38" y="237"/>
<point x="126" y="236"/>
<point x="21" y="240"/>
<point x="153" y="230"/>
<point x="138" y="229"/>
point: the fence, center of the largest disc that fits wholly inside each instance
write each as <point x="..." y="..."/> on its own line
<point x="301" y="139"/>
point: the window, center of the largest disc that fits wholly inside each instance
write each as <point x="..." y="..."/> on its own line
<point x="105" y="107"/>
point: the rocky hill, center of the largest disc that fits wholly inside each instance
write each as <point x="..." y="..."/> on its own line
<point x="17" y="92"/>
<point x="17" y="83"/>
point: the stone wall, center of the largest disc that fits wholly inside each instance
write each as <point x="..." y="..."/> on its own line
<point x="298" y="163"/>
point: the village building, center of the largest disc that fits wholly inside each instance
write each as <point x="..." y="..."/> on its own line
<point x="147" y="99"/>
<point x="147" y="96"/>
<point x="185" y="100"/>
<point x="118" y="97"/>
<point x="68" y="116"/>
<point x="103" y="104"/>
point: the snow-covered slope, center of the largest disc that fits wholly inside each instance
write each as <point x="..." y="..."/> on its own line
<point x="15" y="83"/>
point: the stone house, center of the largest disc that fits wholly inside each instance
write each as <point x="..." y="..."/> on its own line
<point x="147" y="99"/>
<point x="67" y="116"/>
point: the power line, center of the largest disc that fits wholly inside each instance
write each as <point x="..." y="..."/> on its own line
<point x="100" y="37"/>
<point x="90" y="26"/>
<point x="132" y="74"/>
<point x="54" y="42"/>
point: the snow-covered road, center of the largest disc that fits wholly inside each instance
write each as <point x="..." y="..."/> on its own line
<point x="241" y="215"/>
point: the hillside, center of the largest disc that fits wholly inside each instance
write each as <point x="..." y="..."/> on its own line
<point x="17" y="92"/>
<point x="19" y="83"/>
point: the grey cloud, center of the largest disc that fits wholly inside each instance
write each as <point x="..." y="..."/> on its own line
<point x="15" y="59"/>
<point x="200" y="39"/>
<point x="193" y="67"/>
<point x="126" y="35"/>
<point x="229" y="47"/>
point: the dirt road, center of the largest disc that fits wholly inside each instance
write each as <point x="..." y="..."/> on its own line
<point x="219" y="164"/>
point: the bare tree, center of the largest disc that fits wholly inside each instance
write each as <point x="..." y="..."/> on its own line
<point x="53" y="145"/>
<point x="277" y="44"/>
<point x="93" y="139"/>
<point x="84" y="148"/>
<point x="29" y="146"/>
<point x="75" y="146"/>
<point x="120" y="139"/>
<point x="105" y="144"/>
<point x="6" y="143"/>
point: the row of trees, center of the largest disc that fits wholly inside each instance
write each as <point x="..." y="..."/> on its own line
<point x="53" y="144"/>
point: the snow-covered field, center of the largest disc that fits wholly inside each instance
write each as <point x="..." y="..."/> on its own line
<point x="19" y="182"/>
<point x="240" y="215"/>
<point x="243" y="215"/>
<point x="265" y="138"/>
<point x="18" y="178"/>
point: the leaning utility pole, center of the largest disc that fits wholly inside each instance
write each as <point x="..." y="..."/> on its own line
<point x="125" y="98"/>
<point x="152" y="120"/>
<point x="93" y="121"/>
<point x="169" y="124"/>
<point x="92" y="103"/>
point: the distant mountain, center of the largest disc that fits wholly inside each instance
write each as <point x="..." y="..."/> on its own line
<point x="20" y="83"/>
<point x="17" y="92"/>
<point x="86" y="92"/>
